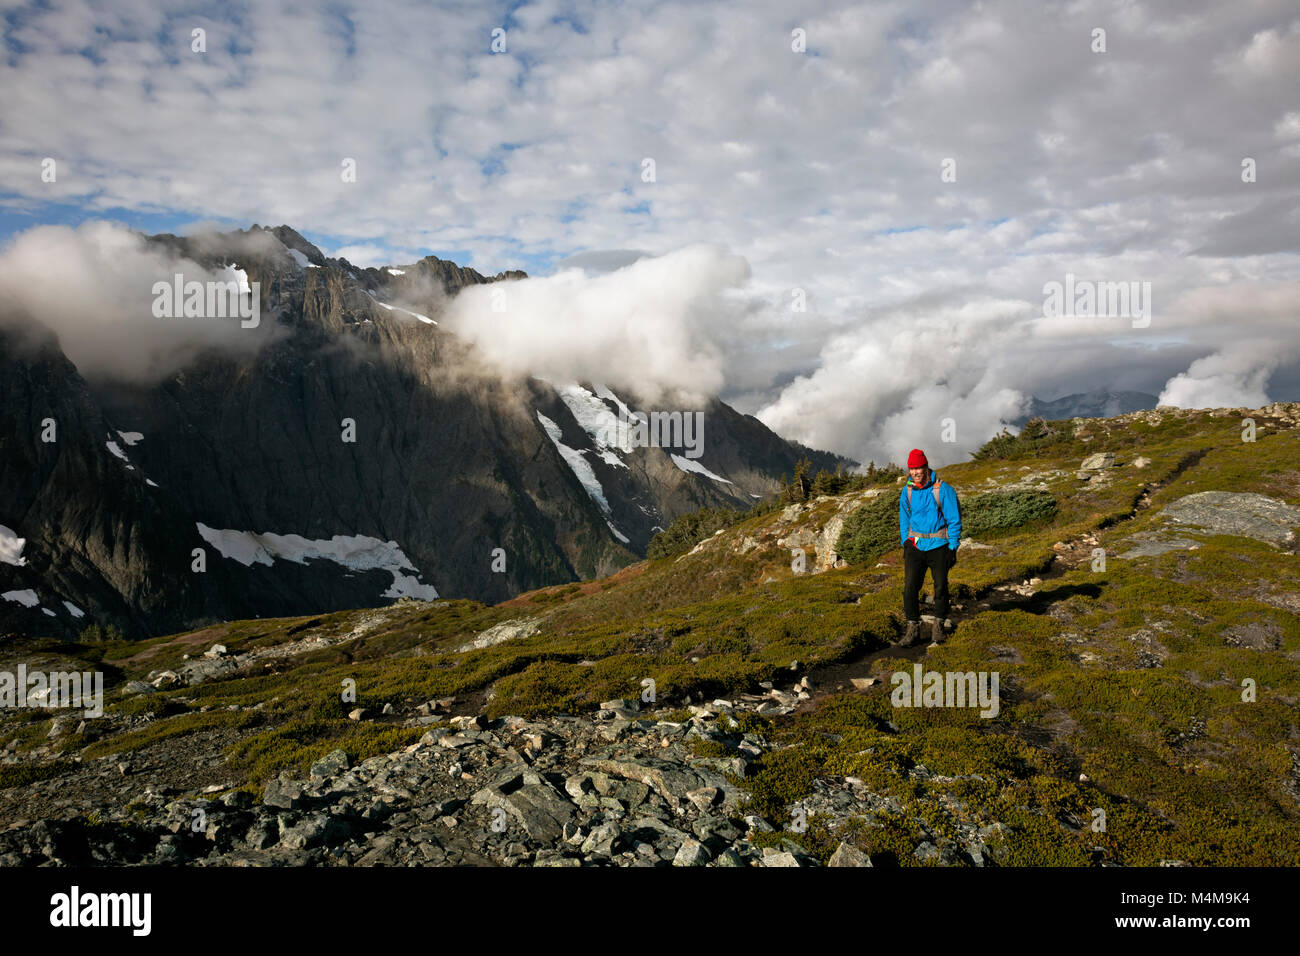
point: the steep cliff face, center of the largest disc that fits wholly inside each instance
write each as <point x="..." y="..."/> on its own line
<point x="361" y="454"/>
<point x="89" y="536"/>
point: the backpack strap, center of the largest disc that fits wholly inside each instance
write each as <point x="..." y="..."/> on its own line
<point x="943" y="531"/>
<point x="935" y="488"/>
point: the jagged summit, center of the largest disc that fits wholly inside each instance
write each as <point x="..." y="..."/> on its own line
<point x="294" y="240"/>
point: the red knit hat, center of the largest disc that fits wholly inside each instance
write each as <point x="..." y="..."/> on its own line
<point x="917" y="459"/>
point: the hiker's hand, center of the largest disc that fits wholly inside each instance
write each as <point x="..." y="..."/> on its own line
<point x="952" y="557"/>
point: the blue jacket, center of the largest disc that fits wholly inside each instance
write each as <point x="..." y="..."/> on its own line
<point x="925" y="517"/>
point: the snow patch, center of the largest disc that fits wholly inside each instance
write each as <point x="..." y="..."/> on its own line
<point x="73" y="609"/>
<point x="131" y="438"/>
<point x="579" y="465"/>
<point x="232" y="273"/>
<point x="116" y="449"/>
<point x="46" y="610"/>
<point x="597" y="421"/>
<point x="605" y="393"/>
<point x="359" y="552"/>
<point x="151" y="483"/>
<point x="11" y="547"/>
<point x="26" y="598"/>
<point x="685" y="464"/>
<point x="618" y="534"/>
<point x="396" y="272"/>
<point x="301" y="259"/>
<point x="397" y="308"/>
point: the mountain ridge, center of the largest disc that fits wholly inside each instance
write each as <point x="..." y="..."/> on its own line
<point x="358" y="417"/>
<point x="1099" y="403"/>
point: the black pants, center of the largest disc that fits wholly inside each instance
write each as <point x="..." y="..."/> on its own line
<point x="915" y="561"/>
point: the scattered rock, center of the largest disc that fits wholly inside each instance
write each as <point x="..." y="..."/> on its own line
<point x="499" y="633"/>
<point x="285" y="793"/>
<point x="1255" y="635"/>
<point x="1097" y="462"/>
<point x="848" y="855"/>
<point x="775" y="857"/>
<point x="330" y="765"/>
<point x="691" y="853"/>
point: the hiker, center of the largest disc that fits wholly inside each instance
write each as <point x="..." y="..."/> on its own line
<point x="929" y="524"/>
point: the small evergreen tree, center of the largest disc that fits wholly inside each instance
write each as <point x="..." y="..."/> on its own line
<point x="829" y="483"/>
<point x="801" y="484"/>
<point x="96" y="634"/>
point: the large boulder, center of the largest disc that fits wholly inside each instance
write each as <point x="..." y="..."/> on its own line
<point x="1098" y="462"/>
<point x="1245" y="514"/>
<point x="532" y="802"/>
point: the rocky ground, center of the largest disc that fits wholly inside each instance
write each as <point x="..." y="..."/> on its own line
<point x="621" y="790"/>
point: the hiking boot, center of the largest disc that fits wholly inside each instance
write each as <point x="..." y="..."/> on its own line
<point x="912" y="635"/>
<point x="937" y="636"/>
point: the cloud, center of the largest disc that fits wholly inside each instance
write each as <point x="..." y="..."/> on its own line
<point x="600" y="260"/>
<point x="1232" y="379"/>
<point x="1252" y="327"/>
<point x="93" y="286"/>
<point x="924" y="377"/>
<point x="646" y="327"/>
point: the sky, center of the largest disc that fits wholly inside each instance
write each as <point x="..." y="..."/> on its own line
<point x="858" y="207"/>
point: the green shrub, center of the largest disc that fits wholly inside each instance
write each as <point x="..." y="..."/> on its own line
<point x="688" y="530"/>
<point x="1005" y="510"/>
<point x="20" y="775"/>
<point x="870" y="530"/>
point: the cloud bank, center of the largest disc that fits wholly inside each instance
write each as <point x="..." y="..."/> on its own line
<point x="93" y="286"/>
<point x="648" y="326"/>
